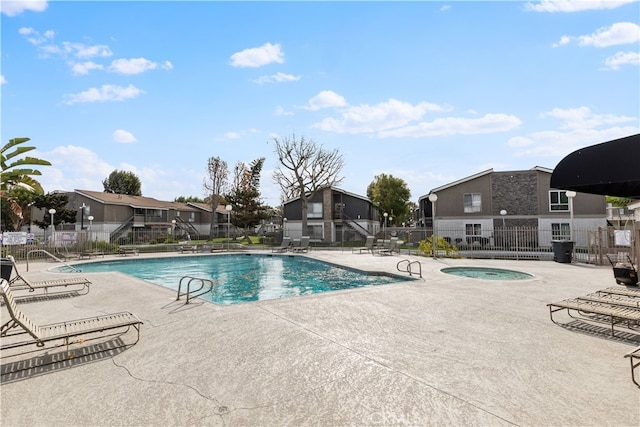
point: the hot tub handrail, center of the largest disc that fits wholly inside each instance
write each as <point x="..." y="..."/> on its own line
<point x="208" y="283"/>
<point x="51" y="256"/>
<point x="408" y="268"/>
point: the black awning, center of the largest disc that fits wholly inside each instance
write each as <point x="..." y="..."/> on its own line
<point x="611" y="169"/>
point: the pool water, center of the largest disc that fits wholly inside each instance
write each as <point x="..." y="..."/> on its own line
<point x="243" y="278"/>
<point x="487" y="273"/>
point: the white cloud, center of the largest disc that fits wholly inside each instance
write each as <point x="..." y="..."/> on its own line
<point x="569" y="6"/>
<point x="13" y="8"/>
<point x="622" y="58"/>
<point x="280" y="111"/>
<point x="123" y="137"/>
<point x="103" y="94"/>
<point x="77" y="50"/>
<point x="584" y="118"/>
<point x="376" y="118"/>
<point x="136" y="66"/>
<point x="232" y="135"/>
<point x="73" y="168"/>
<point x="489" y="123"/>
<point x="277" y="78"/>
<point x="3" y="81"/>
<point x="83" y="68"/>
<point x="326" y="99"/>
<point x="258" y="56"/>
<point x="445" y="7"/>
<point x="579" y="127"/>
<point x="559" y="144"/>
<point x="617" y="34"/>
<point x="34" y="37"/>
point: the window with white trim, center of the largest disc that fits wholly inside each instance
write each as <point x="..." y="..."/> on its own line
<point x="314" y="210"/>
<point x="472" y="202"/>
<point x="560" y="231"/>
<point x="473" y="230"/>
<point x="558" y="201"/>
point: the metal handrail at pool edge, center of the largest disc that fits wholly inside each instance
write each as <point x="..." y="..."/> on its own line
<point x="51" y="256"/>
<point x="192" y="293"/>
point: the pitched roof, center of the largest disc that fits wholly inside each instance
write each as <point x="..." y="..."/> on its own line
<point x="134" y="201"/>
<point x="478" y="175"/>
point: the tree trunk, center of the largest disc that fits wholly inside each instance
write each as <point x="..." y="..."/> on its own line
<point x="214" y="219"/>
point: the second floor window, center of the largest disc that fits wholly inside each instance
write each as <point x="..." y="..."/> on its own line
<point x="558" y="201"/>
<point x="472" y="202"/>
<point x="314" y="210"/>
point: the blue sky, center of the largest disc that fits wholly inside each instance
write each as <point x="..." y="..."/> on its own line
<point x="430" y="92"/>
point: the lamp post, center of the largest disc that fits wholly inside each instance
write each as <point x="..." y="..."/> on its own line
<point x="503" y="213"/>
<point x="385" y="225"/>
<point x="52" y="212"/>
<point x="173" y="229"/>
<point x="228" y="209"/>
<point x="284" y="227"/>
<point x="433" y="198"/>
<point x="82" y="208"/>
<point x="90" y="218"/>
<point x="570" y="196"/>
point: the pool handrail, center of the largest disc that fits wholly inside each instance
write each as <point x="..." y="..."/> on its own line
<point x="193" y="293"/>
<point x="408" y="269"/>
<point x="52" y="256"/>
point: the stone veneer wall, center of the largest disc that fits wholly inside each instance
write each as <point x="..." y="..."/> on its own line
<point x="517" y="193"/>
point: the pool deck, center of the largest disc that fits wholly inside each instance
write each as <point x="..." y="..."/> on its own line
<point x="442" y="351"/>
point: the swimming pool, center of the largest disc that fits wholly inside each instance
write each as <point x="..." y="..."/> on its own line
<point x="487" y="273"/>
<point x="246" y="277"/>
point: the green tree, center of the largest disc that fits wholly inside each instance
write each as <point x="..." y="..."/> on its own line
<point x="215" y="183"/>
<point x="391" y="195"/>
<point x="619" y="202"/>
<point x="189" y="199"/>
<point x="244" y="197"/>
<point x="305" y="167"/>
<point x="16" y="174"/>
<point x="122" y="182"/>
<point x="59" y="202"/>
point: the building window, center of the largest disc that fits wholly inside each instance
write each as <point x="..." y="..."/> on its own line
<point x="472" y="230"/>
<point x="472" y="202"/>
<point x="314" y="210"/>
<point x="315" y="232"/>
<point x="560" y="231"/>
<point x="558" y="201"/>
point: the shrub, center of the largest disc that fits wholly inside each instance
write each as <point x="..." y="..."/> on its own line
<point x="426" y="247"/>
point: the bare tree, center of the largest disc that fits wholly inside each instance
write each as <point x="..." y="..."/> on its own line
<point x="215" y="183"/>
<point x="305" y="167"/>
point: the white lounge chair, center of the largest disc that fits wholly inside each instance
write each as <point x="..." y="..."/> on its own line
<point x="20" y="324"/>
<point x="70" y="284"/>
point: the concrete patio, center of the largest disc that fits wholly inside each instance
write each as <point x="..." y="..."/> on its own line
<point x="445" y="351"/>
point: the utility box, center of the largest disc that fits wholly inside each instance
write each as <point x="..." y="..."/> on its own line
<point x="562" y="251"/>
<point x="6" y="268"/>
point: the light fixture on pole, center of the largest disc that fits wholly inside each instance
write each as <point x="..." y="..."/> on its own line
<point x="385" y="225"/>
<point x="503" y="213"/>
<point x="173" y="229"/>
<point x="284" y="227"/>
<point x="228" y="209"/>
<point x="570" y="196"/>
<point x="90" y="218"/>
<point x="82" y="208"/>
<point x="52" y="212"/>
<point x="433" y="198"/>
